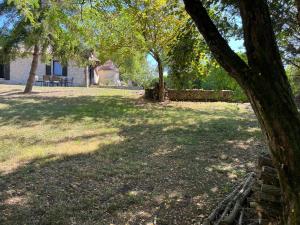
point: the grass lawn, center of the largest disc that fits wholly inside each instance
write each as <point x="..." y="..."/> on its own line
<point x="102" y="156"/>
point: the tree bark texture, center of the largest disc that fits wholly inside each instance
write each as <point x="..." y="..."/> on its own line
<point x="32" y="73"/>
<point x="265" y="83"/>
<point x="298" y="13"/>
<point x="161" y="91"/>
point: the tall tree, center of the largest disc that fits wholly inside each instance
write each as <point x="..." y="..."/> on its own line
<point x="40" y="28"/>
<point x="20" y="35"/>
<point x="135" y="26"/>
<point x="265" y="83"/>
<point x="158" y="22"/>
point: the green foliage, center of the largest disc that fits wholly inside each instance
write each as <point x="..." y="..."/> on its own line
<point x="109" y="29"/>
<point x="53" y="25"/>
<point x="192" y="66"/>
<point x="155" y="24"/>
<point x="158" y="22"/>
<point x="293" y="74"/>
<point x="167" y="80"/>
<point x="28" y="9"/>
<point x="287" y="30"/>
<point x="127" y="31"/>
<point x="218" y="79"/>
<point x="284" y="20"/>
<point x="135" y="68"/>
<point x="188" y="58"/>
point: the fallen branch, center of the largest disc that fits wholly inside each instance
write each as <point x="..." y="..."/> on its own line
<point x="234" y="200"/>
<point x="221" y="205"/>
<point x="240" y="198"/>
<point x="241" y="217"/>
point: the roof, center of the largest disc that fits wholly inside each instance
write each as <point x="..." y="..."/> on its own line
<point x="93" y="58"/>
<point x="108" y="65"/>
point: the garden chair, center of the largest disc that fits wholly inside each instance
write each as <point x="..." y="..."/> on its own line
<point x="37" y="81"/>
<point x="69" y="82"/>
<point x="56" y="81"/>
<point x="46" y="80"/>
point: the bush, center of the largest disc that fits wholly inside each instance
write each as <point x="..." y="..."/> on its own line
<point x="293" y="75"/>
<point x="156" y="80"/>
<point x="218" y="79"/>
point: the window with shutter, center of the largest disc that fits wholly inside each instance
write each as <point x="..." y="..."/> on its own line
<point x="1" y="71"/>
<point x="7" y="71"/>
<point x="65" y="71"/>
<point x="48" y="70"/>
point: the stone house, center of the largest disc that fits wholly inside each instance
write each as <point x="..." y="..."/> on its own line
<point x="107" y="74"/>
<point x="17" y="71"/>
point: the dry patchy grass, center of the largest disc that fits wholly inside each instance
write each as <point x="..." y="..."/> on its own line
<point x="102" y="156"/>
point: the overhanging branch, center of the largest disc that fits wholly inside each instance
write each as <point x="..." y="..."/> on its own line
<point x="219" y="47"/>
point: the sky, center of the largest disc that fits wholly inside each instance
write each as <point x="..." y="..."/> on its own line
<point x="237" y="45"/>
<point x="1" y="21"/>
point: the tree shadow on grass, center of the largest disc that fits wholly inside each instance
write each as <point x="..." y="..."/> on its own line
<point x="169" y="172"/>
<point x="25" y="111"/>
<point x="167" y="166"/>
<point x="34" y="109"/>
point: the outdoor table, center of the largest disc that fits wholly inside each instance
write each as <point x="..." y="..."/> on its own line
<point x="39" y="82"/>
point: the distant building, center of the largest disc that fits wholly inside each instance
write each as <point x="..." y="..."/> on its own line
<point x="107" y="74"/>
<point x="17" y="71"/>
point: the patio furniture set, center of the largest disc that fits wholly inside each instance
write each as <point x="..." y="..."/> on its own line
<point x="52" y="80"/>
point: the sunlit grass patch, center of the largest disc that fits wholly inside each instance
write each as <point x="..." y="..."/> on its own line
<point x="102" y="156"/>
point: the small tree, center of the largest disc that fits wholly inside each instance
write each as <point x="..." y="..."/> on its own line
<point x="39" y="27"/>
<point x="21" y="35"/>
<point x="158" y="22"/>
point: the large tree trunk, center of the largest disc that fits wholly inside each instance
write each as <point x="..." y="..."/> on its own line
<point x="272" y="99"/>
<point x="266" y="85"/>
<point x="34" y="65"/>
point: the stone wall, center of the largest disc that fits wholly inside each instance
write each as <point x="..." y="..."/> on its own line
<point x="200" y="95"/>
<point x="193" y="95"/>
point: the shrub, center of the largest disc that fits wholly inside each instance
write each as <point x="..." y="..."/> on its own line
<point x="218" y="79"/>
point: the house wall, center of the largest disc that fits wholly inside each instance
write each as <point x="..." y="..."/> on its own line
<point x="108" y="77"/>
<point x="77" y="73"/>
<point x="20" y="68"/>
